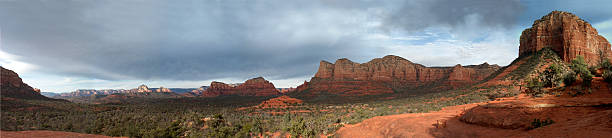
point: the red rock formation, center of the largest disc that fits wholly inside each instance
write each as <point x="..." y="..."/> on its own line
<point x="302" y="87"/>
<point x="162" y="89"/>
<point x="11" y="85"/>
<point x="142" y="88"/>
<point x="384" y="75"/>
<point x="253" y="87"/>
<point x="286" y="90"/>
<point x="566" y="34"/>
<point x="280" y="102"/>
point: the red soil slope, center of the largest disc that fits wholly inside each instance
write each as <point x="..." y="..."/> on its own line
<point x="582" y="116"/>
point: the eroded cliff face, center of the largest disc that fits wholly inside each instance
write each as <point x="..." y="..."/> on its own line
<point x="389" y="74"/>
<point x="253" y="87"/>
<point x="567" y="35"/>
<point x="11" y="85"/>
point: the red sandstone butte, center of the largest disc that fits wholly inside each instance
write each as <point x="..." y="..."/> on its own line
<point x="11" y="85"/>
<point x="383" y="75"/>
<point x="253" y="87"/>
<point x="566" y="34"/>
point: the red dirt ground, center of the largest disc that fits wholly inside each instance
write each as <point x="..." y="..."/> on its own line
<point x="589" y="115"/>
<point x="47" y="134"/>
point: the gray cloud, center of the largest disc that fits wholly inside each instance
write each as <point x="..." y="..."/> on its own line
<point x="194" y="40"/>
<point x="461" y="17"/>
<point x="204" y="40"/>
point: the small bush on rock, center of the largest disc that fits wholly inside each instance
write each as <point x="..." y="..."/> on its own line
<point x="581" y="68"/>
<point x="607" y="76"/>
<point x="552" y="75"/>
<point x="540" y="123"/>
<point x="534" y="87"/>
<point x="569" y="78"/>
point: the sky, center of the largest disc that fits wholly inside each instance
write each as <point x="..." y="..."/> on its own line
<point x="64" y="45"/>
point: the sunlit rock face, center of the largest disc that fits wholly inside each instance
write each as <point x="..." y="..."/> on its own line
<point x="143" y="88"/>
<point x="567" y="35"/>
<point x="162" y="89"/>
<point x="384" y="75"/>
<point x="253" y="87"/>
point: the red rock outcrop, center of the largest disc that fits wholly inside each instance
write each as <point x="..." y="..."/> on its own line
<point x="11" y="85"/>
<point x="389" y="74"/>
<point x="142" y="88"/>
<point x="162" y="89"/>
<point x="566" y="34"/>
<point x="253" y="87"/>
<point x="280" y="102"/>
<point x="286" y="90"/>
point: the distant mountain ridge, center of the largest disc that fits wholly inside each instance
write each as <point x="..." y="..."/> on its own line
<point x="252" y="87"/>
<point x="141" y="89"/>
<point x="49" y="94"/>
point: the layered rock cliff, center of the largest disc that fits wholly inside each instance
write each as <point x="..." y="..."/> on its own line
<point x="567" y="35"/>
<point x="253" y="87"/>
<point x="389" y="74"/>
<point x="12" y="86"/>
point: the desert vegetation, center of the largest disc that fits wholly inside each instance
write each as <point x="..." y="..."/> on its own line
<point x="220" y="117"/>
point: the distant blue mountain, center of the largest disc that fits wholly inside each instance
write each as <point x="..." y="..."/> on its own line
<point x="49" y="94"/>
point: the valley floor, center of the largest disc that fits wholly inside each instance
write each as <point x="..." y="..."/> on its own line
<point x="589" y="115"/>
<point x="47" y="134"/>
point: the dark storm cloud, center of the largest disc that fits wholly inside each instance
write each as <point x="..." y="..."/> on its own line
<point x="193" y="40"/>
<point x="460" y="16"/>
<point x="201" y="40"/>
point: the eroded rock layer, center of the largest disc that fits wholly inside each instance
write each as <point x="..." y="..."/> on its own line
<point x="567" y="35"/>
<point x="253" y="87"/>
<point x="389" y="74"/>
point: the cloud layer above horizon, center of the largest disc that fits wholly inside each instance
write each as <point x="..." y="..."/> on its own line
<point x="105" y="43"/>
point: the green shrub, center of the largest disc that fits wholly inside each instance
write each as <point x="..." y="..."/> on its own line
<point x="606" y="65"/>
<point x="587" y="79"/>
<point x="581" y="68"/>
<point x="569" y="78"/>
<point x="593" y="69"/>
<point x="536" y="123"/>
<point x="552" y="75"/>
<point x="534" y="87"/>
<point x="607" y="76"/>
